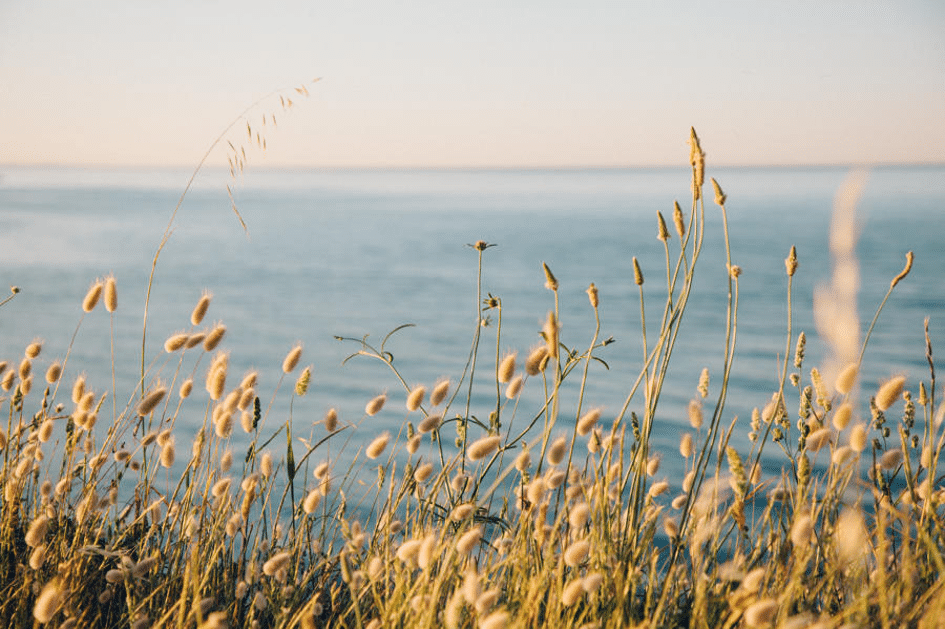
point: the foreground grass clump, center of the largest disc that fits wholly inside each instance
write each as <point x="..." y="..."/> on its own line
<point x="542" y="515"/>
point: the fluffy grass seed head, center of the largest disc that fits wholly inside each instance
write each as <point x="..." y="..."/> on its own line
<point x="587" y="421"/>
<point x="176" y="342"/>
<point x="686" y="445"/>
<point x="331" y="420"/>
<point x="26" y="368"/>
<point x="818" y="439"/>
<point x="593" y="296"/>
<point x="841" y="416"/>
<point x="496" y="620"/>
<point x="678" y="220"/>
<point x="439" y="392"/>
<point x="111" y="294"/>
<point x="790" y="263"/>
<point x="537" y="360"/>
<point x="92" y="296"/>
<point x="846" y="378"/>
<point x="469" y="540"/>
<point x="375" y="405"/>
<point x="48" y="602"/>
<point x="415" y="398"/>
<point x="506" y="368"/>
<point x="200" y="310"/>
<point x="514" y="388"/>
<point x="377" y="447"/>
<point x="151" y="400"/>
<point x="214" y="337"/>
<point x="54" y="372"/>
<point x="33" y="349"/>
<point x="481" y="448"/>
<point x="905" y="271"/>
<point x="168" y="452"/>
<point x="858" y="437"/>
<point x="889" y="392"/>
<point x="761" y="613"/>
<point x="550" y="331"/>
<point x="558" y="449"/>
<point x="695" y="414"/>
<point x="292" y="359"/>
<point x="576" y="553"/>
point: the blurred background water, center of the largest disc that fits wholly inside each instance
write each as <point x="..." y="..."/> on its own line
<point x="358" y="252"/>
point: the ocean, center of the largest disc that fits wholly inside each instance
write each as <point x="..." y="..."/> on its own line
<point x="356" y="253"/>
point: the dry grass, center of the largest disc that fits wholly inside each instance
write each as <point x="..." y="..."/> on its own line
<point x="534" y="517"/>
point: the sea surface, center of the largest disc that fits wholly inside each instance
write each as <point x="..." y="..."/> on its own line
<point x="356" y="253"/>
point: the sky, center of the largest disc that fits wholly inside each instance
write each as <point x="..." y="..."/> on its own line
<point x="475" y="83"/>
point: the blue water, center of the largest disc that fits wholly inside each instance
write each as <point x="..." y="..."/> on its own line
<point x="354" y="252"/>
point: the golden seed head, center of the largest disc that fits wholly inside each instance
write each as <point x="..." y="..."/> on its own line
<point x="151" y="400"/>
<point x="415" y="399"/>
<point x="92" y="297"/>
<point x="375" y="405"/>
<point x="761" y="613"/>
<point x="514" y="388"/>
<point x="195" y="339"/>
<point x="841" y="417"/>
<point x="678" y="220"/>
<point x="48" y="602"/>
<point x="331" y="420"/>
<point x="858" y="437"/>
<point x="111" y="294"/>
<point x="719" y="195"/>
<point x="790" y="263"/>
<point x="439" y="392"/>
<point x="186" y="388"/>
<point x="653" y="465"/>
<point x="662" y="232"/>
<point x="423" y="472"/>
<point x="586" y="422"/>
<point x="576" y="553"/>
<point x="818" y="439"/>
<point x="847" y="378"/>
<point x="214" y="337"/>
<point x="481" y="448"/>
<point x="292" y="359"/>
<point x="695" y="414"/>
<point x="905" y="271"/>
<point x="26" y="368"/>
<point x="550" y="331"/>
<point x="637" y="273"/>
<point x="33" y="349"/>
<point x="685" y="445"/>
<point x="592" y="295"/>
<point x="469" y="540"/>
<point x="889" y="392"/>
<point x="54" y="372"/>
<point x="506" y="368"/>
<point x="301" y="385"/>
<point x="558" y="449"/>
<point x="167" y="454"/>
<point x="175" y="342"/>
<point x="537" y="360"/>
<point x="377" y="447"/>
<point x="551" y="283"/>
<point x="200" y="310"/>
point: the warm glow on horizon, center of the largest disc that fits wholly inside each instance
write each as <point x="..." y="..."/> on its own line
<point x="482" y="84"/>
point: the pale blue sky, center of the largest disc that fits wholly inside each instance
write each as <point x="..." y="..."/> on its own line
<point x="486" y="83"/>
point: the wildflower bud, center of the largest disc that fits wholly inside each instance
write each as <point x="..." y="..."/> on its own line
<point x="790" y="263"/>
<point x="551" y="283"/>
<point x="92" y="297"/>
<point x="200" y="310"/>
<point x="904" y="273"/>
<point x="292" y="359"/>
<point x="637" y="273"/>
<point x="592" y="295"/>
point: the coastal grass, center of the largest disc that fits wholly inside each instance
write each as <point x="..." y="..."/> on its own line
<point x="510" y="515"/>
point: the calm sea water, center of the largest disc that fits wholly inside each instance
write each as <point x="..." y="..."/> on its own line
<point x="352" y="253"/>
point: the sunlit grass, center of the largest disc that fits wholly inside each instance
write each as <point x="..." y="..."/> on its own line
<point x="514" y="514"/>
